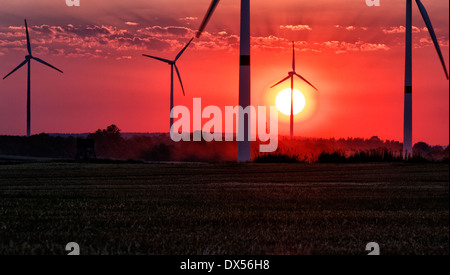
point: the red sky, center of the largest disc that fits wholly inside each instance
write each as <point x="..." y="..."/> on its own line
<point x="354" y="55"/>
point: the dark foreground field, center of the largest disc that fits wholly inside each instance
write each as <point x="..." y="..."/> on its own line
<point x="224" y="208"/>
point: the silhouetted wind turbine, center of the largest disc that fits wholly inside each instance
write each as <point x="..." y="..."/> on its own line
<point x="244" y="147"/>
<point x="28" y="59"/>
<point x="291" y="76"/>
<point x="172" y="66"/>
<point x="407" y="134"/>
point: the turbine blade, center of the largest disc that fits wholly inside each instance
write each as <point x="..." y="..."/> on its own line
<point x="45" y="63"/>
<point x="293" y="56"/>
<point x="306" y="81"/>
<point x="179" y="77"/>
<point x="208" y="15"/>
<point x="427" y="20"/>
<point x="182" y="51"/>
<point x="160" y="59"/>
<point x="281" y="81"/>
<point x="18" y="67"/>
<point x="28" y="38"/>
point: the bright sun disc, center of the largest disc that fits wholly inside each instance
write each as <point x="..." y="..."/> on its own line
<point x="283" y="101"/>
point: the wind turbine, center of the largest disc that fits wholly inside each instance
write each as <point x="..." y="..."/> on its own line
<point x="291" y="76"/>
<point x="407" y="134"/>
<point x="244" y="147"/>
<point x="28" y="59"/>
<point x="172" y="66"/>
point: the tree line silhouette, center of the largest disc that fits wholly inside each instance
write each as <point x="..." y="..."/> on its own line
<point x="111" y="144"/>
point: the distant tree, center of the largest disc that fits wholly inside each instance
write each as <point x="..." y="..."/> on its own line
<point x="109" y="142"/>
<point x="111" y="132"/>
<point x="436" y="153"/>
<point x="446" y="154"/>
<point x="421" y="149"/>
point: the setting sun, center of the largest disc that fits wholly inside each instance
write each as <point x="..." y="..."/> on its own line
<point x="283" y="101"/>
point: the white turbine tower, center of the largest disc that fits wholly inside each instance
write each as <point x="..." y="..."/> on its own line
<point x="244" y="147"/>
<point x="173" y="64"/>
<point x="407" y="134"/>
<point x="291" y="76"/>
<point x="28" y="59"/>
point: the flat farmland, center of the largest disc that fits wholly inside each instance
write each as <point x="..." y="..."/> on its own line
<point x="224" y="209"/>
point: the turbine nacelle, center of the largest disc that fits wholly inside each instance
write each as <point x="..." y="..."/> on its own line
<point x="173" y="63"/>
<point x="28" y="57"/>
<point x="293" y="73"/>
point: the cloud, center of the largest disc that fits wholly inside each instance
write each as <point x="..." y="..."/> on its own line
<point x="189" y="18"/>
<point x="127" y="57"/>
<point x="426" y="41"/>
<point x="351" y="28"/>
<point x="400" y="29"/>
<point x="105" y="41"/>
<point x="341" y="47"/>
<point x="17" y="28"/>
<point x="296" y="27"/>
<point x="131" y="23"/>
<point x="269" y="42"/>
<point x="167" y="31"/>
<point x="92" y="41"/>
<point x="369" y="47"/>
